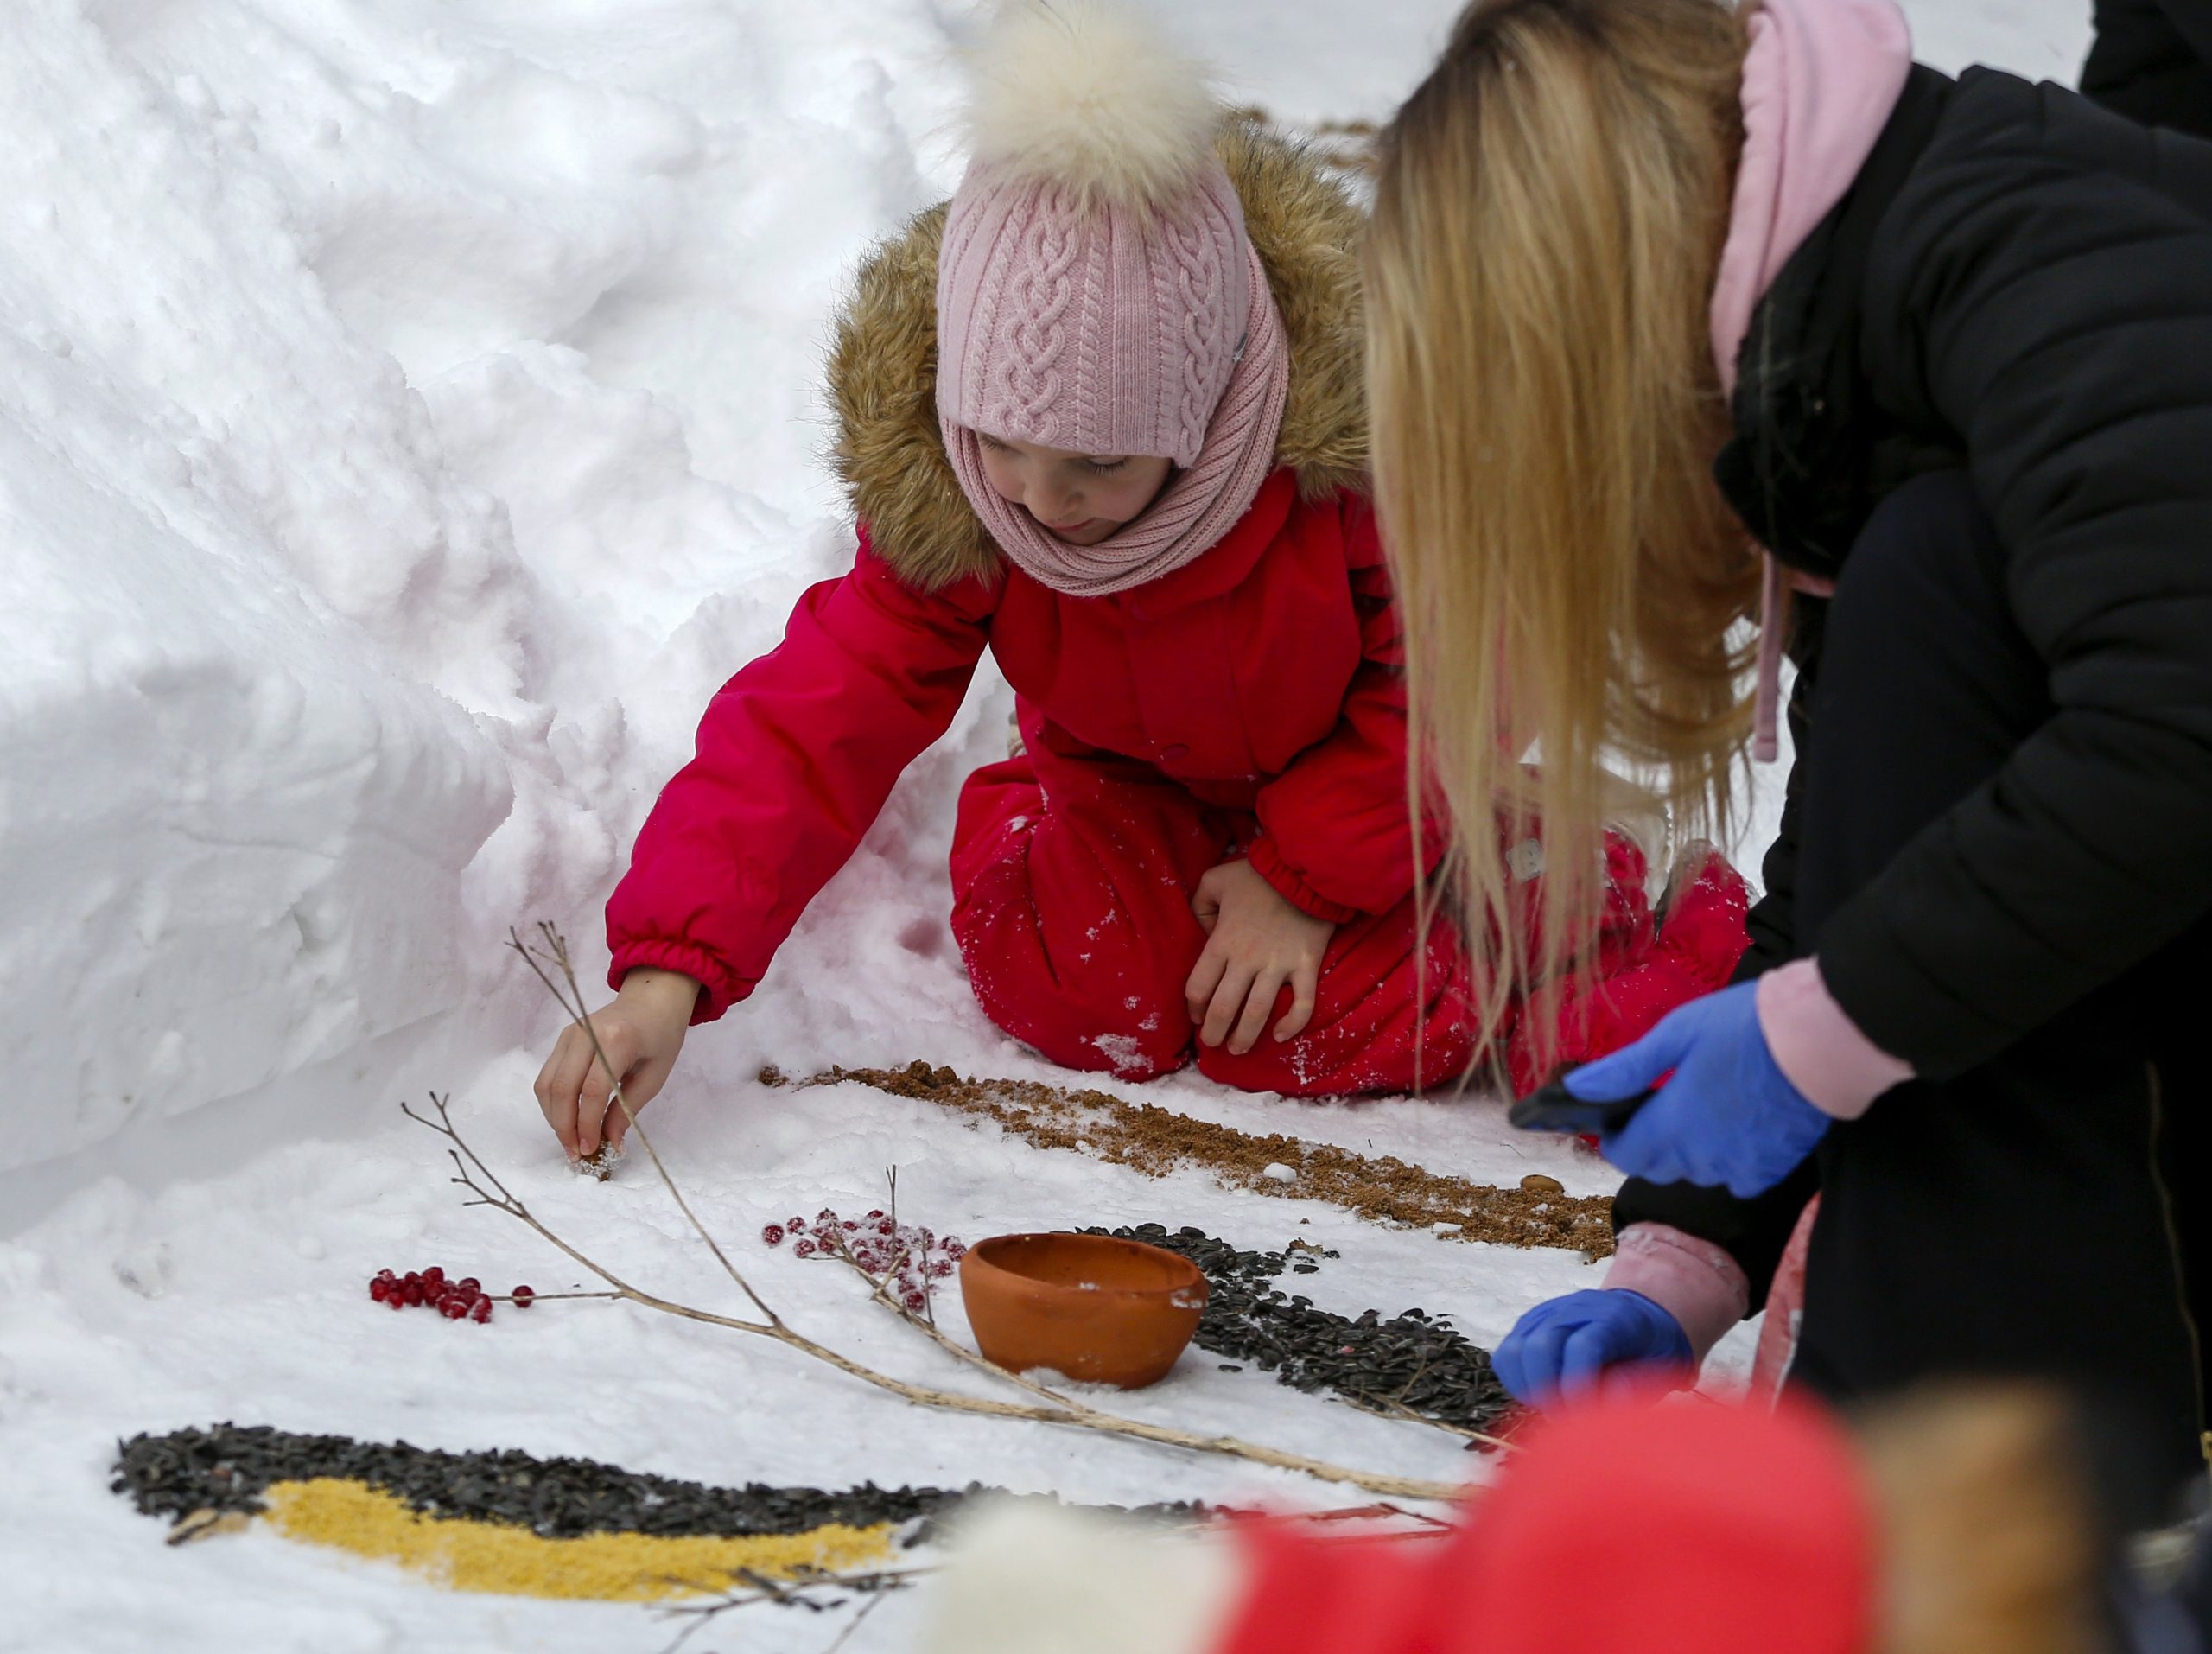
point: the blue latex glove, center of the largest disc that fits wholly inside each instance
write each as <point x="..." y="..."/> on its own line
<point x="1729" y="1116"/>
<point x="1566" y="1346"/>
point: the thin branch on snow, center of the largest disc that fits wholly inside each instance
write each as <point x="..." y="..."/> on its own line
<point x="855" y="1624"/>
<point x="542" y="1297"/>
<point x="802" y="1592"/>
<point x="879" y="1289"/>
<point x="569" y="994"/>
<point x="1391" y="1407"/>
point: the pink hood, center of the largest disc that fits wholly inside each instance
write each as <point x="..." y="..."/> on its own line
<point x="1820" y="81"/>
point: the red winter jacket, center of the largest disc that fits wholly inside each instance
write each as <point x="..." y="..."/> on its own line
<point x="1264" y="676"/>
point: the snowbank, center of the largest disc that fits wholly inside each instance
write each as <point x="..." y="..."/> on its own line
<point x="364" y="571"/>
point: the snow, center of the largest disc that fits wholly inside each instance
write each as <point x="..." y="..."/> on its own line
<point x="409" y="414"/>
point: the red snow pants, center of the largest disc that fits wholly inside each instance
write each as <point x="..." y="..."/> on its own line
<point x="1071" y="904"/>
<point x="1072" y="880"/>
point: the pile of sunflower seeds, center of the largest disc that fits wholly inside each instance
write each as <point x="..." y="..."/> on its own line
<point x="1412" y="1363"/>
<point x="228" y="1467"/>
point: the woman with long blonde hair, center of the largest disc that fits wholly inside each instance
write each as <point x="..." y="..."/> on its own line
<point x="1645" y="275"/>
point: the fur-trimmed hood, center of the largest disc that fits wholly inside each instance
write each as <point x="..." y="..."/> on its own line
<point x="889" y="451"/>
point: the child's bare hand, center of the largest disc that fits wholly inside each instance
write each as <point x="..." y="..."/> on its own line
<point x="642" y="1031"/>
<point x="1256" y="943"/>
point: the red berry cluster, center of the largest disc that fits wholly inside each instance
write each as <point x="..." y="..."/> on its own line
<point x="911" y="1255"/>
<point x="461" y="1299"/>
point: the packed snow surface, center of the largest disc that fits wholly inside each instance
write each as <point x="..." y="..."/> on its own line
<point x="409" y="414"/>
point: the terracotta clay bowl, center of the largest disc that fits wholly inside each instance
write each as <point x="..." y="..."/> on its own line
<point x="1099" y="1310"/>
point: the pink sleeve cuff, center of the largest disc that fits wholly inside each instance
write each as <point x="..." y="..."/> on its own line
<point x="1819" y="1049"/>
<point x="1693" y="1280"/>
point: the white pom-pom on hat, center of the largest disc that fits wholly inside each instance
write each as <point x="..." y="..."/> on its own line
<point x="1098" y="293"/>
<point x="1087" y="95"/>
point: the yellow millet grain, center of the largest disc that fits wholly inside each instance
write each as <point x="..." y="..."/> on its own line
<point x="465" y="1555"/>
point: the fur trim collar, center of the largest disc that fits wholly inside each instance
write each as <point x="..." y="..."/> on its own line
<point x="890" y="453"/>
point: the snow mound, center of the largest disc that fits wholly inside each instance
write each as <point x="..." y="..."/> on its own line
<point x="358" y="599"/>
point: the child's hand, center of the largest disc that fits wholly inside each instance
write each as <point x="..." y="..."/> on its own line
<point x="1256" y="942"/>
<point x="642" y="1031"/>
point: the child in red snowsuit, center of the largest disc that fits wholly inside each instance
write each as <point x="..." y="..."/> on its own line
<point x="1103" y="416"/>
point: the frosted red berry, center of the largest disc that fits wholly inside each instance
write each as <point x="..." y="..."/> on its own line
<point x="378" y="1290"/>
<point x="941" y="1268"/>
<point x="796" y="1226"/>
<point x="433" y="1276"/>
<point x="915" y="1300"/>
<point x="521" y="1296"/>
<point x="410" y="1292"/>
<point x="804" y="1247"/>
<point x="480" y="1311"/>
<point x="470" y="1285"/>
<point x="772" y="1234"/>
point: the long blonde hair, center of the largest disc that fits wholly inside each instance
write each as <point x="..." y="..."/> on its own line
<point x="1549" y="212"/>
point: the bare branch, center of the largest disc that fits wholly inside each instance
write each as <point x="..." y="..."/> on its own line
<point x="855" y="1624"/>
<point x="498" y="1197"/>
<point x="800" y="1592"/>
<point x="1391" y="1407"/>
<point x="547" y="1297"/>
<point x="555" y="953"/>
<point x="880" y="1288"/>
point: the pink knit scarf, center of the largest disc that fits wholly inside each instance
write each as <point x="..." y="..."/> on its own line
<point x="1197" y="510"/>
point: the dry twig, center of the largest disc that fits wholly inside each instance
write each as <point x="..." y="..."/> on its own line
<point x="801" y="1592"/>
<point x="570" y="995"/>
<point x="855" y="1624"/>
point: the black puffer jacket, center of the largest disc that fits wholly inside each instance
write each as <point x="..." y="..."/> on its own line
<point x="2152" y="60"/>
<point x="2022" y="284"/>
<point x="2019" y="285"/>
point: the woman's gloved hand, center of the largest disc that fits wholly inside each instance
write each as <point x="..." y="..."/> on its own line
<point x="1565" y="1346"/>
<point x="1728" y="1117"/>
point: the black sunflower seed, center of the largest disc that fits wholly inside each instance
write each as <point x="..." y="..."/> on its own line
<point x="1412" y="1360"/>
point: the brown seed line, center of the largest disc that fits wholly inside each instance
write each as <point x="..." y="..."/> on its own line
<point x="1156" y="1140"/>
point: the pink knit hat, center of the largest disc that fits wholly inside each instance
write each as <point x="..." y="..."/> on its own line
<point x="1097" y="292"/>
<point x="1111" y="331"/>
